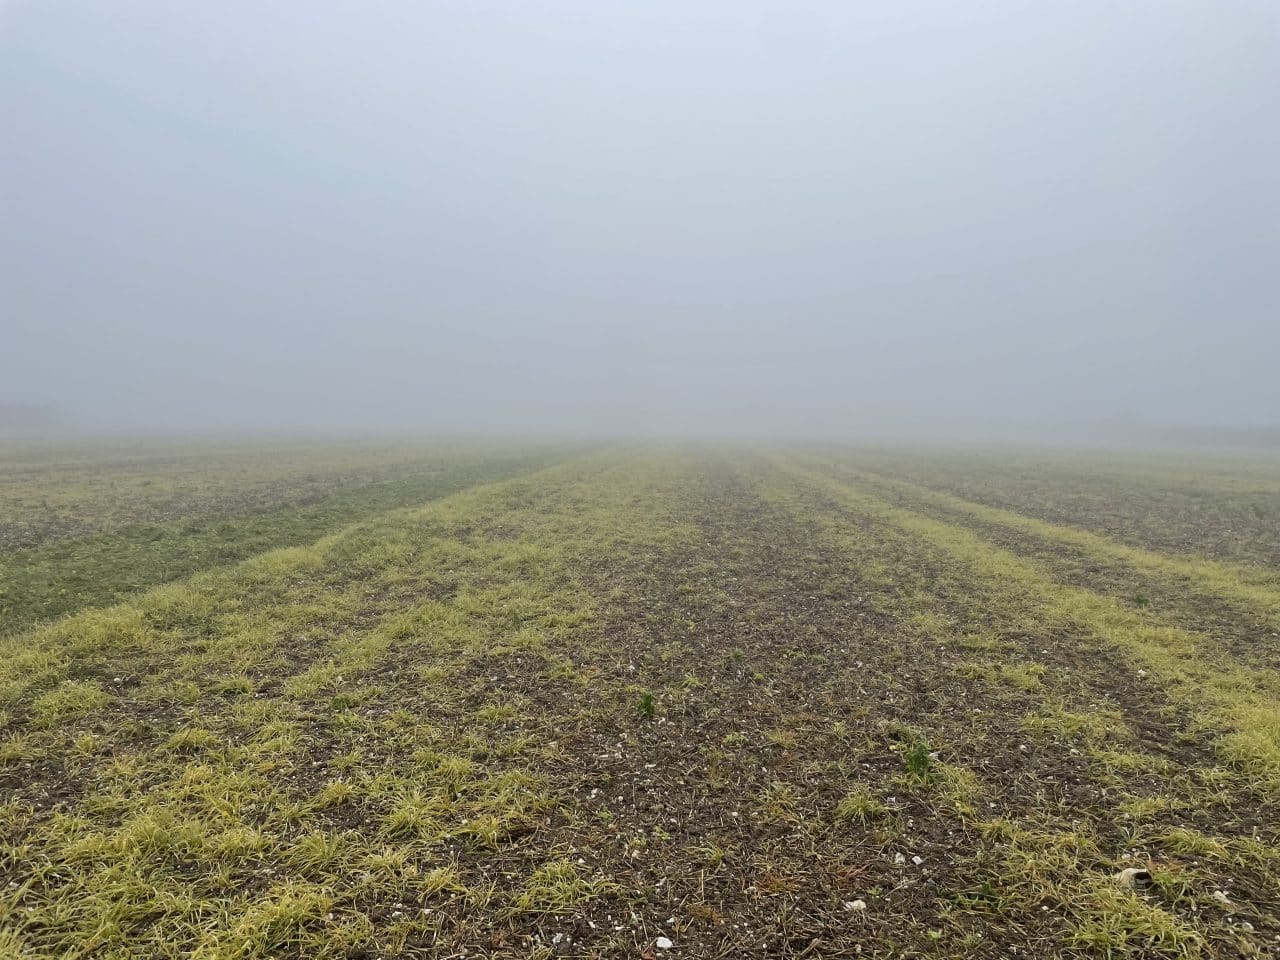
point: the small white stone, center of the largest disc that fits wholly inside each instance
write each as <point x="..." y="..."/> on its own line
<point x="855" y="905"/>
<point x="917" y="860"/>
<point x="1133" y="876"/>
<point x="662" y="943"/>
<point x="1221" y="896"/>
<point x="900" y="859"/>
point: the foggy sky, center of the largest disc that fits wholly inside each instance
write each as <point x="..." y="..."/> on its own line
<point x="786" y="216"/>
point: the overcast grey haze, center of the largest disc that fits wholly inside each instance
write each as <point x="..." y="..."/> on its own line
<point x="740" y="216"/>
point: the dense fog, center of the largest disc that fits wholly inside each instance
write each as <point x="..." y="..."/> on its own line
<point x="780" y="218"/>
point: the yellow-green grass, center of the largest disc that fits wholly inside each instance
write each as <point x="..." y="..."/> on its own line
<point x="697" y="694"/>
<point x="1239" y="704"/>
<point x="1045" y="858"/>
<point x="1256" y="587"/>
<point x="116" y="535"/>
<point x="65" y="492"/>
<point x="1172" y="503"/>
<point x="175" y="762"/>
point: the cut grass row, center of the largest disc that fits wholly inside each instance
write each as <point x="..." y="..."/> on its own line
<point x="60" y="578"/>
<point x="1254" y="587"/>
<point x="273" y="759"/>
<point x="1222" y="509"/>
<point x="1106" y="795"/>
<point x="73" y="492"/>
<point x="1241" y="705"/>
